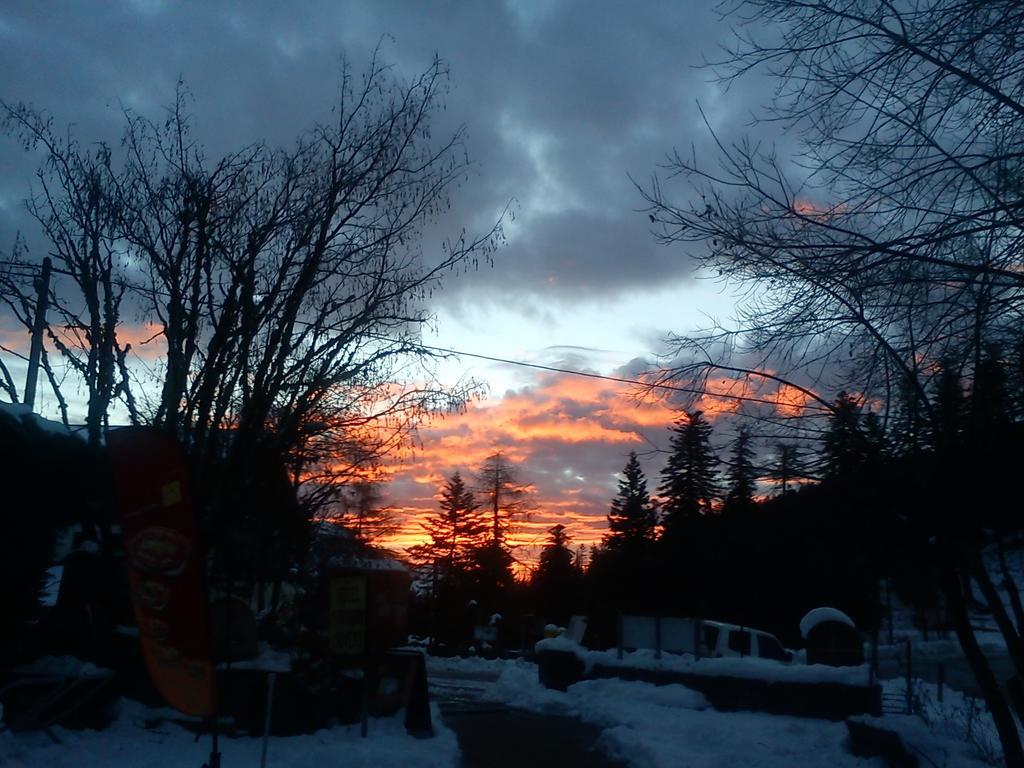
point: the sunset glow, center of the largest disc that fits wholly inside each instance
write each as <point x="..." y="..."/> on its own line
<point x="568" y="436"/>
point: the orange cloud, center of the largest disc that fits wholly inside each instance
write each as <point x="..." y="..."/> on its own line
<point x="568" y="437"/>
<point x="14" y="338"/>
<point x="147" y="339"/>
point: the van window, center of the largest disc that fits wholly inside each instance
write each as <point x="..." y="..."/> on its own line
<point x="710" y="638"/>
<point x="770" y="648"/>
<point x="739" y="641"/>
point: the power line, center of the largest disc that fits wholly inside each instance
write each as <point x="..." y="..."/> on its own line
<point x="508" y="361"/>
<point x="588" y="375"/>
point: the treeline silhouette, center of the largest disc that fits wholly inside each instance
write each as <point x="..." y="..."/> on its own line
<point x="725" y="538"/>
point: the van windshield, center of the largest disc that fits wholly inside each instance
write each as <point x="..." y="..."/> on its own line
<point x="770" y="648"/>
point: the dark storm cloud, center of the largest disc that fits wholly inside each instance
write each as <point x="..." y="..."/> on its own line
<point x="561" y="102"/>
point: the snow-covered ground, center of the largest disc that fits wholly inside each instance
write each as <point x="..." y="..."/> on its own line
<point x="672" y="726"/>
<point x="956" y="731"/>
<point x="644" y="725"/>
<point x="128" y="743"/>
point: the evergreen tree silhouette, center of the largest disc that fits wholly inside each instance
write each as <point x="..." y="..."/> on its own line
<point x="556" y="582"/>
<point x="844" y="450"/>
<point x="449" y="557"/>
<point x="633" y="517"/>
<point x="455" y="531"/>
<point x="741" y="475"/>
<point x="689" y="479"/>
<point x="950" y="408"/>
<point x="787" y="466"/>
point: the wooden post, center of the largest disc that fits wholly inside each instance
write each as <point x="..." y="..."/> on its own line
<point x="618" y="628"/>
<point x="910" y="689"/>
<point x="266" y="717"/>
<point x="43" y="289"/>
<point x="941" y="678"/>
<point x="873" y="673"/>
<point x="657" y="636"/>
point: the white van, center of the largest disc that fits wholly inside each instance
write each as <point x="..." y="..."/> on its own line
<point x="730" y="640"/>
<point x="698" y="637"/>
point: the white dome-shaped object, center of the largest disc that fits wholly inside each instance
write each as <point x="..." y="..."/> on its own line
<point x="819" y="616"/>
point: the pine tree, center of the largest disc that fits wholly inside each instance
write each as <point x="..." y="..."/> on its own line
<point x="741" y="475"/>
<point x="556" y="581"/>
<point x="788" y="465"/>
<point x="950" y="409"/>
<point x="844" y="449"/>
<point x="633" y="517"/>
<point x="455" y="531"/>
<point x="991" y="407"/>
<point x="502" y="499"/>
<point x="449" y="557"/>
<point x="556" y="558"/>
<point x="689" y="479"/>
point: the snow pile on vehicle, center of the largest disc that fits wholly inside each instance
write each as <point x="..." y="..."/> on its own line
<point x="819" y="616"/>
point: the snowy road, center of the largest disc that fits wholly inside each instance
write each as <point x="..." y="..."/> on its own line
<point x="493" y="735"/>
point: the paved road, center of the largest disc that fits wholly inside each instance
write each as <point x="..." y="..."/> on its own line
<point x="492" y="735"/>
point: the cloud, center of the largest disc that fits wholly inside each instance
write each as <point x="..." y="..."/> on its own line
<point x="569" y="436"/>
<point x="146" y="339"/>
<point x="561" y="101"/>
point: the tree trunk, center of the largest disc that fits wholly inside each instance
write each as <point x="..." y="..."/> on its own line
<point x="1006" y="726"/>
<point x="1011" y="588"/>
<point x="1002" y="618"/>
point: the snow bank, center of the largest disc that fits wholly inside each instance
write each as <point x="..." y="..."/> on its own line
<point x="669" y="726"/>
<point x="267" y="660"/>
<point x="128" y="744"/>
<point x="26" y="415"/>
<point x="746" y="667"/>
<point x="956" y="731"/>
<point x="649" y="726"/>
<point x="820" y="616"/>
<point x="477" y="666"/>
<point x="62" y="666"/>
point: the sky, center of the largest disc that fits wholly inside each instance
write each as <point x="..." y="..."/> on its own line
<point x="567" y="106"/>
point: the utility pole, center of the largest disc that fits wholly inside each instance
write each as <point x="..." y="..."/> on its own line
<point x="43" y="288"/>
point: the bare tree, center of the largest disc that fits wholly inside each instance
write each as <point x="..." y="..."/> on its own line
<point x="288" y="285"/>
<point x="891" y="245"/>
<point x="502" y="495"/>
<point x="77" y="209"/>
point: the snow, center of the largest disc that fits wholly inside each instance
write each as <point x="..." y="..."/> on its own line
<point x="671" y="726"/>
<point x="267" y="660"/>
<point x="560" y="643"/>
<point x="23" y="413"/>
<point x="61" y="666"/>
<point x="955" y="731"/>
<point x="51" y="589"/>
<point x="127" y="743"/>
<point x="820" y="616"/>
<point x="366" y="563"/>
<point x="745" y="667"/>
